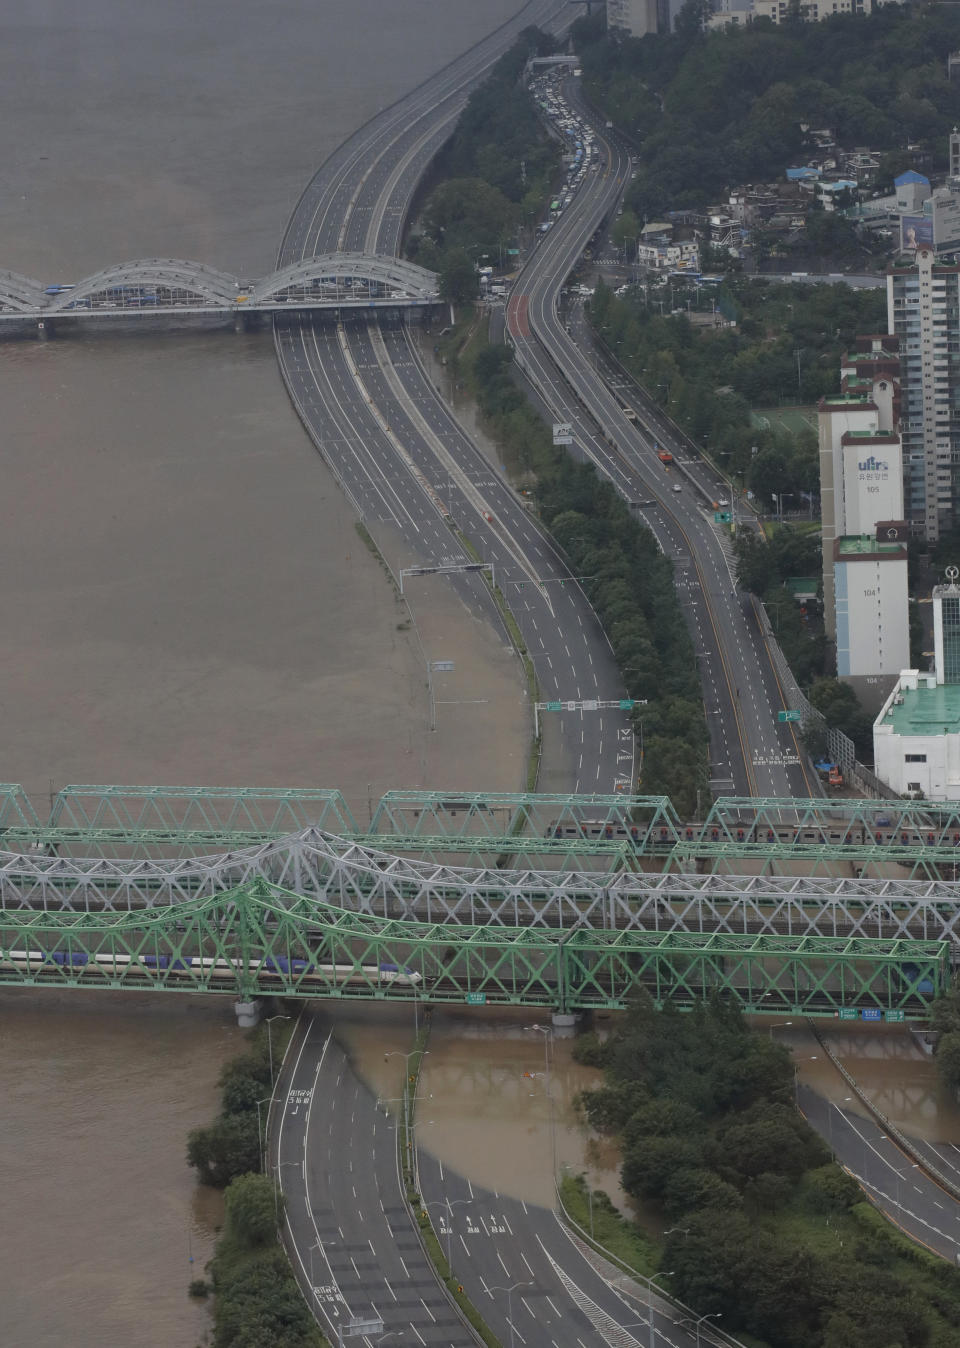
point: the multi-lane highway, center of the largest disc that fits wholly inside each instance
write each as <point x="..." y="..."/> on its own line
<point x="357" y="1253"/>
<point x="405" y="463"/>
<point x="751" y="752"/>
<point x="409" y="470"/>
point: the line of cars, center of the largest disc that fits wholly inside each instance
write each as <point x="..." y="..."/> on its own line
<point x="580" y="150"/>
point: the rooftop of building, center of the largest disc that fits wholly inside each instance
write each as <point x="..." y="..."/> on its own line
<point x="866" y="545"/>
<point x="881" y="437"/>
<point x="844" y="402"/>
<point x="924" y="711"/>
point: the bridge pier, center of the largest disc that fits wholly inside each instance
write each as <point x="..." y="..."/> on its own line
<point x="565" y="1024"/>
<point x="248" y="1013"/>
<point x="45" y="329"/>
<point x="240" y="322"/>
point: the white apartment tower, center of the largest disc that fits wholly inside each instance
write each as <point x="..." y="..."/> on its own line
<point x="923" y="309"/>
<point x="866" y="610"/>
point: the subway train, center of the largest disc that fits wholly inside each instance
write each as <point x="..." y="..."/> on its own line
<point x="836" y="833"/>
<point x="43" y="961"/>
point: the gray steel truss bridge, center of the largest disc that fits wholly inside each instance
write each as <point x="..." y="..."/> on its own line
<point x="335" y="282"/>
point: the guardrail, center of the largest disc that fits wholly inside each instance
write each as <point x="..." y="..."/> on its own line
<point x="712" y="1334"/>
<point x="900" y="1138"/>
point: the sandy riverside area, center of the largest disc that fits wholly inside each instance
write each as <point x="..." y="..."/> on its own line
<point x="187" y="605"/>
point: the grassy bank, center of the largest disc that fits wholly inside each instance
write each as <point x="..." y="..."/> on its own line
<point x="258" y="1301"/>
<point x="761" y="1227"/>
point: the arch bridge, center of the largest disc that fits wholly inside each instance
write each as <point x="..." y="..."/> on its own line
<point x="167" y="286"/>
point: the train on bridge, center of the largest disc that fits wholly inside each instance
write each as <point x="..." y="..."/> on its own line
<point x="830" y="833"/>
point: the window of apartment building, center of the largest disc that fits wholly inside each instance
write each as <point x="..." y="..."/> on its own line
<point x="914" y="758"/>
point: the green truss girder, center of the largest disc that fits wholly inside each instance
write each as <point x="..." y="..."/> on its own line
<point x="263" y="940"/>
<point x="497" y="814"/>
<point x="15" y="808"/>
<point x="240" y="814"/>
<point x="928" y="863"/>
<point x="153" y="821"/>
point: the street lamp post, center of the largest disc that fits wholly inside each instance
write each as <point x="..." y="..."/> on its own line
<point x="510" y="1291"/>
<point x="834" y="1106"/>
<point x="650" y="1286"/>
<point x="278" y="1187"/>
<point x="268" y="1022"/>
<point x="711" y="1315"/>
<point x="313" y="1281"/>
<point x="395" y="1053"/>
<point x="264" y="1101"/>
<point x="547" y="1032"/>
<point x="796" y="1075"/>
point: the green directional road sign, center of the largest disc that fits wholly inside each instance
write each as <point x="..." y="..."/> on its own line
<point x="554" y="706"/>
<point x="848" y="1013"/>
<point x="894" y="1015"/>
<point x="722" y="517"/>
<point x="788" y="716"/>
<point x="513" y="252"/>
<point x="626" y="704"/>
<point x="476" y="999"/>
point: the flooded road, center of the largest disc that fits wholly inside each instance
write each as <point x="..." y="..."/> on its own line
<point x="482" y="1106"/>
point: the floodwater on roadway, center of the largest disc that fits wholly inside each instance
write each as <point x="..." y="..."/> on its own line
<point x="890" y="1067"/>
<point x="186" y="599"/>
<point x="483" y="1107"/>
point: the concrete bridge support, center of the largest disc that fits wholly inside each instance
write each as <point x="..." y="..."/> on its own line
<point x="45" y="329"/>
<point x="248" y="1013"/>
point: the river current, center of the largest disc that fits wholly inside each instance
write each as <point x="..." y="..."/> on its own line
<point x="184" y="597"/>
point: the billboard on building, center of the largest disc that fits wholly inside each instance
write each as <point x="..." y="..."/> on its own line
<point x="946" y="220"/>
<point x="872" y="485"/>
<point x="916" y="231"/>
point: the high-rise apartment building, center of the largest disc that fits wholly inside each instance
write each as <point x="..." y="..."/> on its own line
<point x="923" y="310"/>
<point x="864" y="537"/>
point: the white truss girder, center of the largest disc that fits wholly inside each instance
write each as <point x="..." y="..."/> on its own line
<point x="368" y="880"/>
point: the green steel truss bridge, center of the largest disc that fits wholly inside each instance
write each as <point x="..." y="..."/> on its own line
<point x="852" y="872"/>
<point x="260" y="940"/>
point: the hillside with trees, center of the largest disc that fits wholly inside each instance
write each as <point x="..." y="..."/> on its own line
<point x="709" y="110"/>
<point x="492" y="176"/>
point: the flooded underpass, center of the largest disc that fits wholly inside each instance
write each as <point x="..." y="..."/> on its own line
<point x="482" y="1104"/>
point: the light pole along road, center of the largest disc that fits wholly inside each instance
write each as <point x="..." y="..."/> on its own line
<point x="763" y="756"/>
<point x="403" y="463"/>
<point x="356" y="1252"/>
<point x="407" y="465"/>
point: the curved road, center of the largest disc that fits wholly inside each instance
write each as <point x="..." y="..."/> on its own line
<point x="404" y="461"/>
<point x="762" y="756"/>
